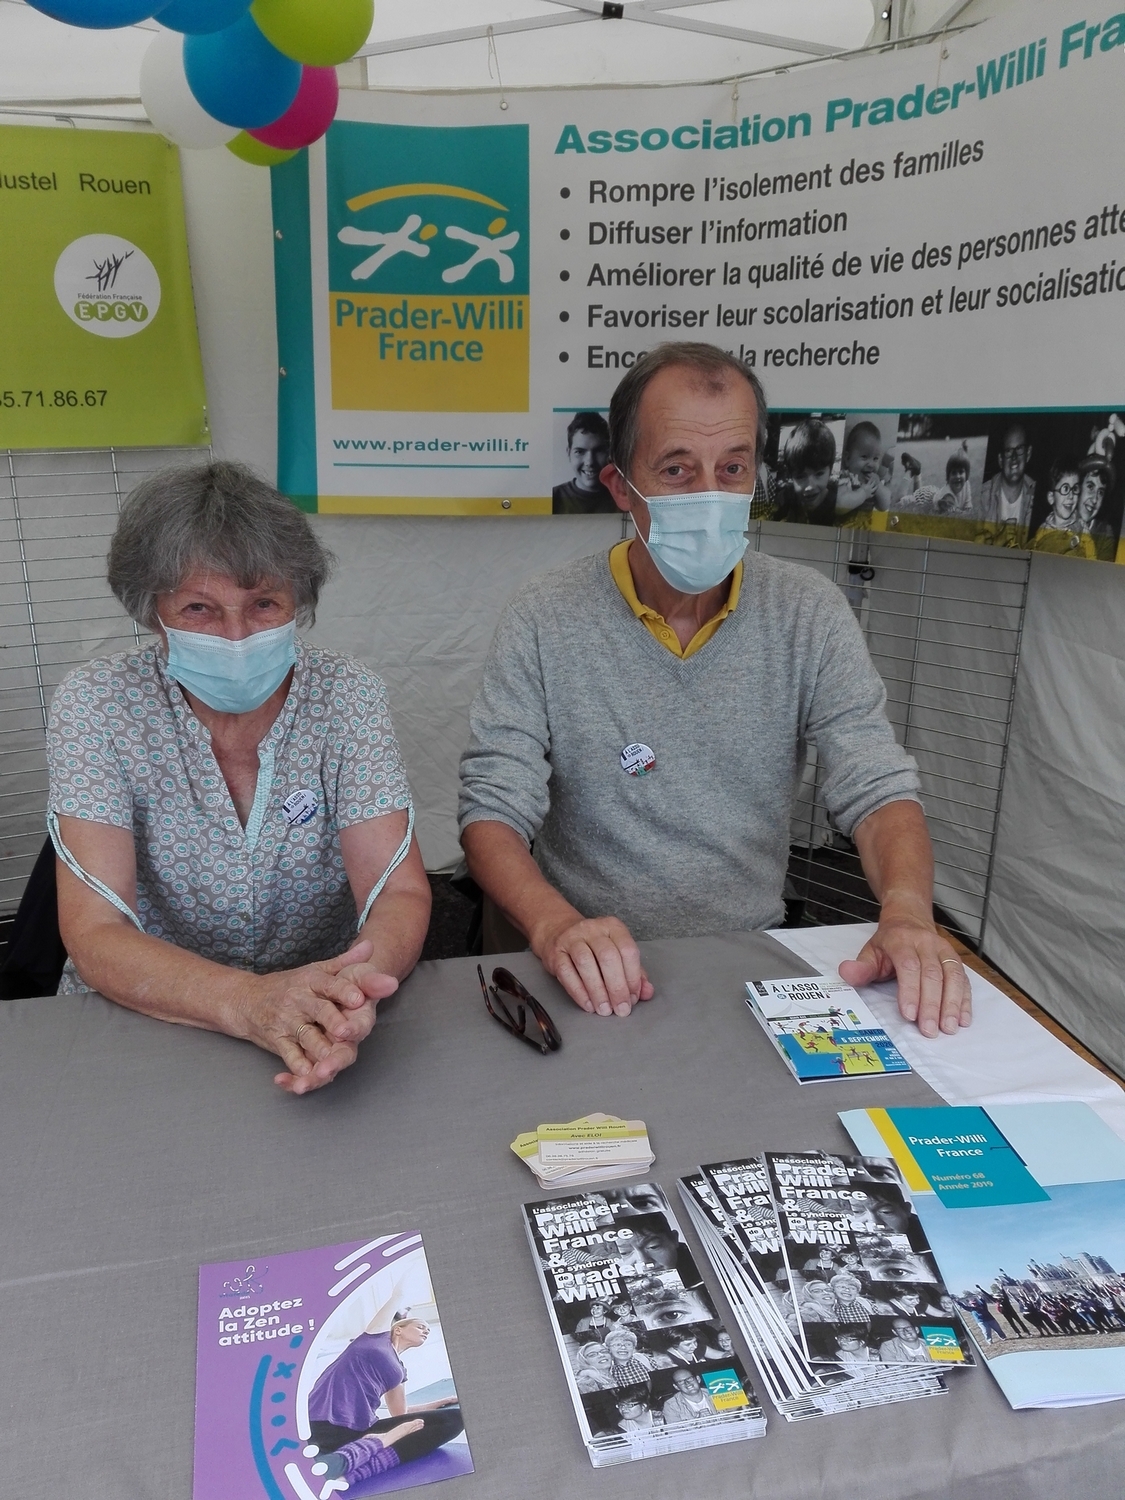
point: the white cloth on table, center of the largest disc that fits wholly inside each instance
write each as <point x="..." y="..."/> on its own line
<point x="1004" y="1057"/>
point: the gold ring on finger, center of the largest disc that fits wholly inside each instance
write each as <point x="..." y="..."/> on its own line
<point x="305" y="1026"/>
<point x="956" y="961"/>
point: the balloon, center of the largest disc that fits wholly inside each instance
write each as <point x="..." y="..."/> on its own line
<point x="322" y="33"/>
<point x="246" y="148"/>
<point x="238" y="77"/>
<point x="97" y="15"/>
<point x="170" y="104"/>
<point x="197" y="17"/>
<point x="310" y="114"/>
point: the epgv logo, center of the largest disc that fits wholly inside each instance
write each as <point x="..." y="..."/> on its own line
<point x="428" y="267"/>
<point x="107" y="285"/>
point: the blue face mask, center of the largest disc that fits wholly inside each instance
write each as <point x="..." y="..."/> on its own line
<point x="231" y="677"/>
<point x="695" y="540"/>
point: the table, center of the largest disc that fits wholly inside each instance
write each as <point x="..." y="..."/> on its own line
<point x="134" y="1150"/>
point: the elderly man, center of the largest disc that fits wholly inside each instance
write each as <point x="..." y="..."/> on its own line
<point x="1006" y="499"/>
<point x="644" y="717"/>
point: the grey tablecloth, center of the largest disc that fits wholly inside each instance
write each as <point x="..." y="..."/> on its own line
<point x="133" y="1150"/>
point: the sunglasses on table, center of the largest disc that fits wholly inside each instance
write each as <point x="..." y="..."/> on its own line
<point x="542" y="1034"/>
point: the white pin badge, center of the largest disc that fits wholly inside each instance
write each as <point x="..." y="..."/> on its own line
<point x="637" y="759"/>
<point x="299" y="807"/>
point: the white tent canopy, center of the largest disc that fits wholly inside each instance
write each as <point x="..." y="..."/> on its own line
<point x="482" y="44"/>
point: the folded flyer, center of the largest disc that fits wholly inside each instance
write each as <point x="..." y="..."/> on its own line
<point x="822" y="1028"/>
<point x="797" y="1389"/>
<point x="863" y="1278"/>
<point x="649" y="1366"/>
<point x="1024" y="1206"/>
<point x="323" y="1371"/>
<point x="733" y="1208"/>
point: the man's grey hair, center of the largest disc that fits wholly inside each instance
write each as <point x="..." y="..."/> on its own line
<point x="712" y="366"/>
<point x="218" y="517"/>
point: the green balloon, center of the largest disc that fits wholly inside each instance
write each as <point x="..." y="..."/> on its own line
<point x="321" y="33"/>
<point x="246" y="148"/>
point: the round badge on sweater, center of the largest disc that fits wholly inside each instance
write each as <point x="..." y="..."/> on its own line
<point x="637" y="759"/>
<point x="299" y="807"/>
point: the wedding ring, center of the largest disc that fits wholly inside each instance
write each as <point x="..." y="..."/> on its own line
<point x="305" y="1026"/>
<point x="956" y="961"/>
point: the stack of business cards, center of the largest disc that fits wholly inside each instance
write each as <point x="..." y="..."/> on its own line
<point x="595" y="1148"/>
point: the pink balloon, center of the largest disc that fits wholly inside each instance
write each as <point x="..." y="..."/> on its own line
<point x="310" y="114"/>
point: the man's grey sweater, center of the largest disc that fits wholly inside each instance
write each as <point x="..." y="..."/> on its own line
<point x="700" y="843"/>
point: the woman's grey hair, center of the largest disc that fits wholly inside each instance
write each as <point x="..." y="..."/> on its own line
<point x="219" y="517"/>
<point x="714" y="368"/>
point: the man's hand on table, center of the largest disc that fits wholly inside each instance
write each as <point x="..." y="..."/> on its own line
<point x="329" y="1005"/>
<point x="933" y="988"/>
<point x="595" y="960"/>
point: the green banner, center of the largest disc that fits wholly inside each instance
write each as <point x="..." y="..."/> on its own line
<point x="100" y="346"/>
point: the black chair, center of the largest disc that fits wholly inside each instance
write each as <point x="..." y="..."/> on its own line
<point x="36" y="954"/>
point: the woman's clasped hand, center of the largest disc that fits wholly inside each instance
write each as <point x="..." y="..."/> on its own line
<point x="315" y="1017"/>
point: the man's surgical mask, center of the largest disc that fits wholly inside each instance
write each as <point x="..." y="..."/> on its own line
<point x="232" y="677"/>
<point x="695" y="540"/>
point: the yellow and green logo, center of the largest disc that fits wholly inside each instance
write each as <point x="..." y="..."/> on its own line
<point x="943" y="1345"/>
<point x="725" y="1389"/>
<point x="428" y="267"/>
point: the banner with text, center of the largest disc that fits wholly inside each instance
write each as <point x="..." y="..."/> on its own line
<point x="916" y="253"/>
<point x="100" y="345"/>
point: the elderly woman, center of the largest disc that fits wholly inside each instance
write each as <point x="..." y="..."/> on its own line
<point x="226" y="802"/>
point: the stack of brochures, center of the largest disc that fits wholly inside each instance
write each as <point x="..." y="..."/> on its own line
<point x="650" y="1367"/>
<point x="595" y="1148"/>
<point x="822" y="1029"/>
<point x="830" y="1277"/>
<point x="1024" y="1205"/>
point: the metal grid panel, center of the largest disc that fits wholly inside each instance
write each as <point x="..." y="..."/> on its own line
<point x="57" y="513"/>
<point x="943" y="622"/>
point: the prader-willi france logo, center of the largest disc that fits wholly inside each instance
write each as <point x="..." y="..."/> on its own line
<point x="428" y="267"/>
<point x="107" y="285"/>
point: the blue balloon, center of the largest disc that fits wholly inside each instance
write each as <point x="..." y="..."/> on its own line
<point x="240" y="78"/>
<point x="198" y="17"/>
<point x="97" y="15"/>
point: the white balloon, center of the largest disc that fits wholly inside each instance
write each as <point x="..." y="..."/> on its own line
<point x="170" y="103"/>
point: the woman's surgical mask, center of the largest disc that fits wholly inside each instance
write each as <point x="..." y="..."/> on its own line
<point x="232" y="677"/>
<point x="695" y="540"/>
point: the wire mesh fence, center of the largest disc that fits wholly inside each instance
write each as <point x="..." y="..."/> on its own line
<point x="57" y="513"/>
<point x="942" y="620"/>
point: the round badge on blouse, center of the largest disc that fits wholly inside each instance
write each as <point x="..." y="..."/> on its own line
<point x="299" y="807"/>
<point x="637" y="760"/>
